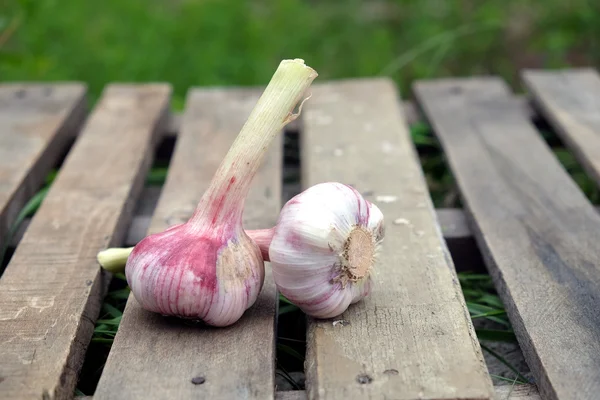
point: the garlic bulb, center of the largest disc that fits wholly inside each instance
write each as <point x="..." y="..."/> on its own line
<point x="324" y="247"/>
<point x="192" y="274"/>
<point x="208" y="268"/>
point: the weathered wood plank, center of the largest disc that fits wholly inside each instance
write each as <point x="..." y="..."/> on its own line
<point x="570" y="100"/>
<point x="36" y="121"/>
<point x="412" y="336"/>
<point x="51" y="291"/>
<point x="536" y="229"/>
<point x="238" y="361"/>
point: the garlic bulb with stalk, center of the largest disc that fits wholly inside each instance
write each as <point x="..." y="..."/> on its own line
<point x="208" y="268"/>
<point x="324" y="248"/>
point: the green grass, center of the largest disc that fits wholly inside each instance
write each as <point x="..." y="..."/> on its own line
<point x="208" y="42"/>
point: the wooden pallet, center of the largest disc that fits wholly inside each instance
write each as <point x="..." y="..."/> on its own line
<point x="412" y="338"/>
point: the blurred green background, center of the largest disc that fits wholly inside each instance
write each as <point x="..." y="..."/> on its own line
<point x="208" y="42"/>
<point x="215" y="42"/>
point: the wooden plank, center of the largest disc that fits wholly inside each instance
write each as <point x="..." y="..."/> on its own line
<point x="51" y="291"/>
<point x="36" y="121"/>
<point x="536" y="229"/>
<point x="570" y="100"/>
<point x="412" y="336"/>
<point x="237" y="361"/>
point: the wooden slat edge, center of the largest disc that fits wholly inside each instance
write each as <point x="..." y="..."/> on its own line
<point x="51" y="292"/>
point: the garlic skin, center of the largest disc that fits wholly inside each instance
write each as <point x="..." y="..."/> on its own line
<point x="208" y="276"/>
<point x="324" y="247"/>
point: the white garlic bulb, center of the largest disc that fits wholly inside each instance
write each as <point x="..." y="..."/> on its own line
<point x="324" y="248"/>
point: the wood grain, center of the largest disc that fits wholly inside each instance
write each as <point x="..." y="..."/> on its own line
<point x="412" y="338"/>
<point x="51" y="291"/>
<point x="156" y="358"/>
<point x="537" y="231"/>
<point x="36" y="121"/>
<point x="570" y="100"/>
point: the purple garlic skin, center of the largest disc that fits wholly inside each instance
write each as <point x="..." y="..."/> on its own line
<point x="324" y="248"/>
<point x="213" y="276"/>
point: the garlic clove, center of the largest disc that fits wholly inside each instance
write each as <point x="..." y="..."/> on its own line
<point x="375" y="223"/>
<point x="324" y="248"/>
